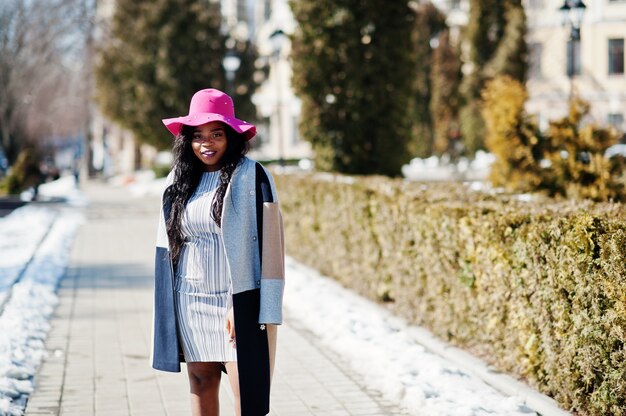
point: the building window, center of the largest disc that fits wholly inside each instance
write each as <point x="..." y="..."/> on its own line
<point x="535" y="4"/>
<point x="535" y="52"/>
<point x="267" y="10"/>
<point x="295" y="138"/>
<point x="573" y="57"/>
<point x="262" y="133"/>
<point x="616" y="120"/>
<point x="455" y="4"/>
<point x="242" y="10"/>
<point x="616" y="56"/>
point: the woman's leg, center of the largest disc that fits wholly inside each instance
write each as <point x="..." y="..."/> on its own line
<point x="204" y="383"/>
<point x="233" y="377"/>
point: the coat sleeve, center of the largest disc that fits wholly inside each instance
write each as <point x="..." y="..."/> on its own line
<point x="272" y="256"/>
<point x="164" y="349"/>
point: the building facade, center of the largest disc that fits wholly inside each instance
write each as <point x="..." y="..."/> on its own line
<point x="113" y="149"/>
<point x="267" y="24"/>
<point x="592" y="67"/>
<point x="278" y="107"/>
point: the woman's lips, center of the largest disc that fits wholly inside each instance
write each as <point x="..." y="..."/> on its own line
<point x="208" y="153"/>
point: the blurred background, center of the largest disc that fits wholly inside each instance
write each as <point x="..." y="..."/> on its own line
<point x="361" y="87"/>
<point x="460" y="162"/>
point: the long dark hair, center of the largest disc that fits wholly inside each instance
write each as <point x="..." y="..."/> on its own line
<point x="188" y="171"/>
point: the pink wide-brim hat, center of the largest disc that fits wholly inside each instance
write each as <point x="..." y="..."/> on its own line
<point x="210" y="105"/>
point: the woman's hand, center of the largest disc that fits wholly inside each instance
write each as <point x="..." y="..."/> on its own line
<point x="230" y="326"/>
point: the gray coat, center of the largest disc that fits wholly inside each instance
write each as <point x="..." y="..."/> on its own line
<point x="254" y="247"/>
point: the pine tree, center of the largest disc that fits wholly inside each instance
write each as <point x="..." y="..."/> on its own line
<point x="429" y="22"/>
<point x="495" y="34"/>
<point x="158" y="54"/>
<point x="510" y="56"/>
<point x="445" y="78"/>
<point x="353" y="68"/>
<point x="512" y="136"/>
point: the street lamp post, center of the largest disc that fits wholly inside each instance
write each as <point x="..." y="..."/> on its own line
<point x="278" y="39"/>
<point x="231" y="64"/>
<point x="572" y="12"/>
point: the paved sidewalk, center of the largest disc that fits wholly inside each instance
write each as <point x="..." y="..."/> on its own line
<point x="100" y="337"/>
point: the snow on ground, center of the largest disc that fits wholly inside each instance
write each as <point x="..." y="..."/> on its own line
<point x="44" y="235"/>
<point x="64" y="187"/>
<point x="141" y="183"/>
<point x="20" y="234"/>
<point x="382" y="348"/>
<point x="441" y="169"/>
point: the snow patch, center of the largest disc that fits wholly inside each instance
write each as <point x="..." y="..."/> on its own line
<point x="442" y="169"/>
<point x="24" y="322"/>
<point x="20" y="233"/>
<point x="66" y="188"/>
<point x="383" y="350"/>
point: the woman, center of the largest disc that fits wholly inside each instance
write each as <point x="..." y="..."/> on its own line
<point x="219" y="272"/>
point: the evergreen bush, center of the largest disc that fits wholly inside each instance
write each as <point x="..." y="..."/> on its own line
<point x="568" y="160"/>
<point x="24" y="173"/>
<point x="576" y="153"/>
<point x="354" y="69"/>
<point x="157" y="54"/>
<point x="496" y="38"/>
<point x="535" y="289"/>
<point x="512" y="137"/>
<point x="429" y="23"/>
<point x="444" y="105"/>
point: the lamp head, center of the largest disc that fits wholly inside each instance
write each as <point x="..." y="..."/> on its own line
<point x="564" y="12"/>
<point x="572" y="12"/>
<point x="578" y="10"/>
<point x="277" y="38"/>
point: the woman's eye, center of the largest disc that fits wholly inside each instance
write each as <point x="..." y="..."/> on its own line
<point x="212" y="136"/>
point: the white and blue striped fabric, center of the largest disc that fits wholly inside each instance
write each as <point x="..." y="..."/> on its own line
<point x="203" y="285"/>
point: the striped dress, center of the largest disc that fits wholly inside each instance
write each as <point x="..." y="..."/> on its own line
<point x="203" y="285"/>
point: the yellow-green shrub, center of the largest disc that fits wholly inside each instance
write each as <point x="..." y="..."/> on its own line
<point x="578" y="166"/>
<point x="512" y="136"/>
<point x="567" y="160"/>
<point x="536" y="289"/>
<point x="24" y="173"/>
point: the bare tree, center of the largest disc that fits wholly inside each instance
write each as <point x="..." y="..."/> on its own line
<point x="42" y="93"/>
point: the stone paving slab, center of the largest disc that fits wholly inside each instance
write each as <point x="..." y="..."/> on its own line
<point x="98" y="361"/>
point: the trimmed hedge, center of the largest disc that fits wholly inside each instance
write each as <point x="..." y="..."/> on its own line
<point x="537" y="289"/>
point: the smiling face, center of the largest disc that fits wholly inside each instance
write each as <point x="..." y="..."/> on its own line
<point x="209" y="144"/>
